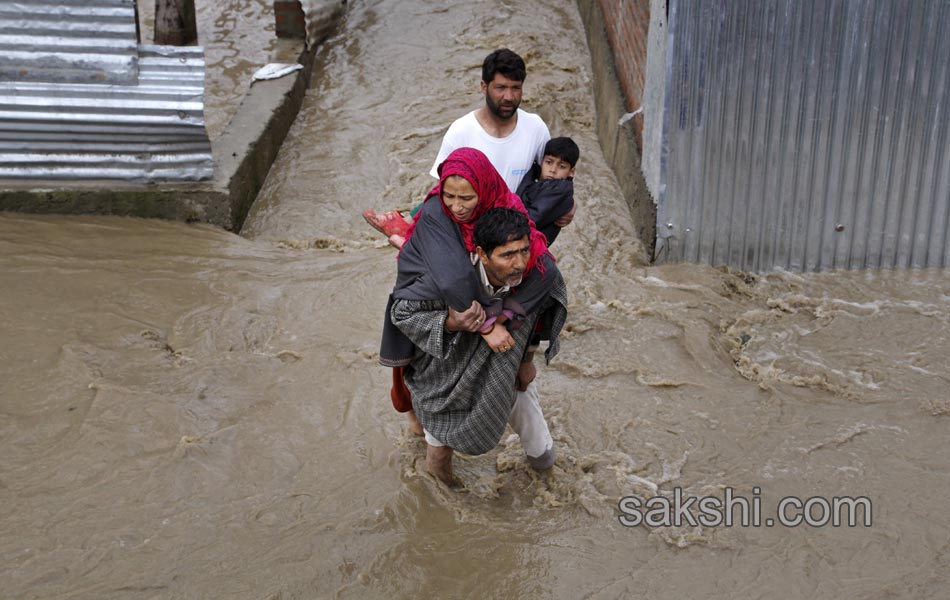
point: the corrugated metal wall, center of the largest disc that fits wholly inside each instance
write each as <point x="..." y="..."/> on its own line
<point x="75" y="41"/>
<point x="807" y="134"/>
<point x="70" y="113"/>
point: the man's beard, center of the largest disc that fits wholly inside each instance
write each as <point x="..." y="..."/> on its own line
<point x="515" y="282"/>
<point x="497" y="110"/>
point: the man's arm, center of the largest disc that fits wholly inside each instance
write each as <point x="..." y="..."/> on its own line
<point x="423" y="322"/>
<point x="469" y="320"/>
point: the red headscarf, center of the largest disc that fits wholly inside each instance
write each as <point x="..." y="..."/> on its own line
<point x="492" y="192"/>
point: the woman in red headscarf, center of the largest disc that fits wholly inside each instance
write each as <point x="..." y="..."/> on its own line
<point x="469" y="186"/>
<point x="436" y="261"/>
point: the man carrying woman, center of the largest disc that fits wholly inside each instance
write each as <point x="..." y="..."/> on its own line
<point x="459" y="321"/>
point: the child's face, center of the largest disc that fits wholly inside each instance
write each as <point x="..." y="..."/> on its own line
<point x="553" y="167"/>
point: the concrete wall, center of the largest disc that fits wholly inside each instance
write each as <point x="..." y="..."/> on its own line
<point x="617" y="37"/>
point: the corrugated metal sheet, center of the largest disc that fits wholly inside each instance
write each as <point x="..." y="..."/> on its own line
<point x="77" y="41"/>
<point x="807" y="134"/>
<point x="149" y="130"/>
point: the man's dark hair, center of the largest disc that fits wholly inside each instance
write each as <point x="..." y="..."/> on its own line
<point x="498" y="226"/>
<point x="503" y="61"/>
<point x="563" y="148"/>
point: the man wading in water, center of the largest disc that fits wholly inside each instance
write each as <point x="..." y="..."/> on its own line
<point x="512" y="139"/>
<point x="462" y="361"/>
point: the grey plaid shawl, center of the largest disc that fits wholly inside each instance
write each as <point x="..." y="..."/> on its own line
<point x="434" y="265"/>
<point x="463" y="392"/>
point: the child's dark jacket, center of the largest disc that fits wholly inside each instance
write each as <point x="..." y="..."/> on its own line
<point x="546" y="201"/>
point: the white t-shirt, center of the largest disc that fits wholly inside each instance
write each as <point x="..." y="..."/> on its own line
<point x="512" y="156"/>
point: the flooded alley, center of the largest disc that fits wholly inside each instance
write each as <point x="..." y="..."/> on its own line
<point x="191" y="413"/>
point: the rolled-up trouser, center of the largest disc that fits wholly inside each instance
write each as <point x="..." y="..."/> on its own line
<point x="528" y="422"/>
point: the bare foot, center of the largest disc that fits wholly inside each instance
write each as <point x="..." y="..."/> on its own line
<point x="415" y="427"/>
<point x="439" y="463"/>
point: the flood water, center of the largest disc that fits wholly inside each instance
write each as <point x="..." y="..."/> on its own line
<point x="190" y="413"/>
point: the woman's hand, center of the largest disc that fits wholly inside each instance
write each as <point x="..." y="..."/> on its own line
<point x="498" y="339"/>
<point x="471" y="320"/>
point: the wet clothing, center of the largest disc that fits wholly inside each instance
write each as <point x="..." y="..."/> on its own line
<point x="463" y="392"/>
<point x="435" y="265"/>
<point x="435" y="262"/>
<point x="546" y="200"/>
<point x="512" y="155"/>
<point x="527" y="420"/>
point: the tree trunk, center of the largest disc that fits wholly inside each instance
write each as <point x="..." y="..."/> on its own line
<point x="175" y="23"/>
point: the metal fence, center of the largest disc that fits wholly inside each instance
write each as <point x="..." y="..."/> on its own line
<point x="80" y="100"/>
<point x="806" y="134"/>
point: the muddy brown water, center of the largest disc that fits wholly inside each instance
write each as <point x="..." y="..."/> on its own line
<point x="189" y="413"/>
